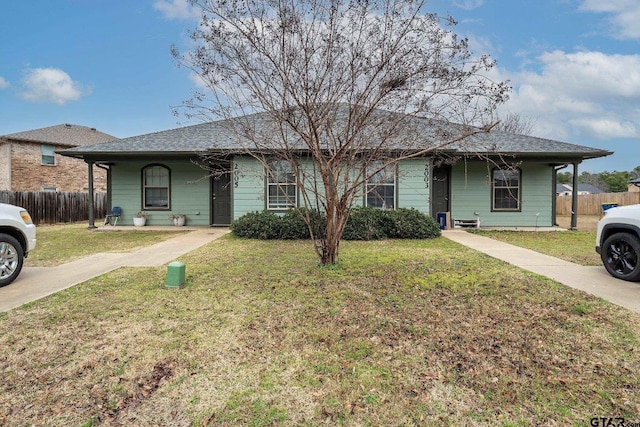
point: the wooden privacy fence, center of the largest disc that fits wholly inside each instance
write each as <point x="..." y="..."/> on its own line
<point x="52" y="208"/>
<point x="591" y="204"/>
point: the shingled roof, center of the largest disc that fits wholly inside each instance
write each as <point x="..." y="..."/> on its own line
<point x="67" y="135"/>
<point x="219" y="136"/>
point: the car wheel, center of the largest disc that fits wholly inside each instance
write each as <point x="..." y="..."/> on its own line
<point x="620" y="255"/>
<point x="11" y="259"/>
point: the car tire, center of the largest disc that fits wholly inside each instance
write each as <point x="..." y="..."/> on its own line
<point x="620" y="255"/>
<point x="11" y="259"/>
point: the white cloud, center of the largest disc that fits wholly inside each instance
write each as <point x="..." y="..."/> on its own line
<point x="176" y="9"/>
<point x="607" y="128"/>
<point x="468" y="4"/>
<point x="3" y="83"/>
<point x="50" y="85"/>
<point x="579" y="94"/>
<point x="198" y="81"/>
<point x="625" y="15"/>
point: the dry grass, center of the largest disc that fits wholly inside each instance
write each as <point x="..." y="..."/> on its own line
<point x="401" y="333"/>
<point x="585" y="222"/>
<point x="576" y="246"/>
<point x="58" y="244"/>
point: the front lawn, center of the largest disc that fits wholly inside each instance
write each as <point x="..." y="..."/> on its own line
<point x="58" y="244"/>
<point x="423" y="332"/>
<point x="572" y="246"/>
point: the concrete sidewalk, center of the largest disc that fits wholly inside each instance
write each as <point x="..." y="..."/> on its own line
<point x="38" y="282"/>
<point x="593" y="280"/>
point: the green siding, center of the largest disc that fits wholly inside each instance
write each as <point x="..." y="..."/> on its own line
<point x="248" y="186"/>
<point x="190" y="193"/>
<point x="412" y="184"/>
<point x="471" y="192"/>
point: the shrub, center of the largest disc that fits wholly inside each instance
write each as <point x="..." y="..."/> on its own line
<point x="367" y="224"/>
<point x="412" y="224"/>
<point x="294" y="225"/>
<point x="258" y="225"/>
<point x="363" y="224"/>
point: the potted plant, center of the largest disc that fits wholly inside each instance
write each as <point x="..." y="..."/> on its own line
<point x="178" y="219"/>
<point x="140" y="219"/>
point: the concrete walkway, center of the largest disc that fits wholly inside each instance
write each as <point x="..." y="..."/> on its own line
<point x="593" y="280"/>
<point x="38" y="282"/>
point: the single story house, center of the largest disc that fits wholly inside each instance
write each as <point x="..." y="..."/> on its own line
<point x="158" y="173"/>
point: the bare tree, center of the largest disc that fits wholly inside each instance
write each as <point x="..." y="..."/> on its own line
<point x="515" y="123"/>
<point x="337" y="91"/>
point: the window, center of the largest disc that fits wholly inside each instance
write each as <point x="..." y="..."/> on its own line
<point x="381" y="187"/>
<point x="506" y="189"/>
<point x="49" y="189"/>
<point x="48" y="154"/>
<point x="156" y="189"/>
<point x="281" y="186"/>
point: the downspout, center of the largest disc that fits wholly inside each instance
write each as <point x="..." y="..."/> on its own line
<point x="91" y="200"/>
<point x="574" y="198"/>
<point x="554" y="199"/>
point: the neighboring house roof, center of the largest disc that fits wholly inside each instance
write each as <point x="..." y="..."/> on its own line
<point x="635" y="181"/>
<point x="220" y="136"/>
<point x="62" y="135"/>
<point x="591" y="189"/>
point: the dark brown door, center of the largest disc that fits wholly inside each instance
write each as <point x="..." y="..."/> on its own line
<point x="440" y="190"/>
<point x="221" y="199"/>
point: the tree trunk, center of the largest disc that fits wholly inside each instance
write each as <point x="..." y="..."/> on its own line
<point x="330" y="246"/>
<point x="335" y="225"/>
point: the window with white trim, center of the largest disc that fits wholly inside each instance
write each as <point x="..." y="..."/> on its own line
<point x="282" y="191"/>
<point x="381" y="187"/>
<point x="156" y="187"/>
<point x="48" y="154"/>
<point x="506" y="189"/>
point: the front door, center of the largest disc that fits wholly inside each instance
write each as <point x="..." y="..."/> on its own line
<point x="440" y="190"/>
<point x="221" y="199"/>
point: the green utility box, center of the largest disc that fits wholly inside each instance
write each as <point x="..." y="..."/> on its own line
<point x="175" y="275"/>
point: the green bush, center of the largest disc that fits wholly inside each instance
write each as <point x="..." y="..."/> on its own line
<point x="269" y="225"/>
<point x="363" y="224"/>
<point x="412" y="224"/>
<point x="263" y="225"/>
<point x="367" y="224"/>
<point x="294" y="226"/>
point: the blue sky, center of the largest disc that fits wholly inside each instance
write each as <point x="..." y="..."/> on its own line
<point x="574" y="66"/>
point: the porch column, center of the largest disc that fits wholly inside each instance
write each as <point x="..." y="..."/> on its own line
<point x="91" y="201"/>
<point x="574" y="198"/>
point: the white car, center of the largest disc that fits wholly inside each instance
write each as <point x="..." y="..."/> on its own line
<point x="17" y="239"/>
<point x="618" y="242"/>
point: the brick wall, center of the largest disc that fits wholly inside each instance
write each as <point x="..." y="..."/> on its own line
<point x="29" y="174"/>
<point x="5" y="166"/>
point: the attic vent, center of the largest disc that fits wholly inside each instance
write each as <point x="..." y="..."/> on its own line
<point x="93" y="129"/>
<point x="67" y="125"/>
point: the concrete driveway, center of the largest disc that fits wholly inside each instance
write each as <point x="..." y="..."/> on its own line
<point x="38" y="282"/>
<point x="593" y="280"/>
